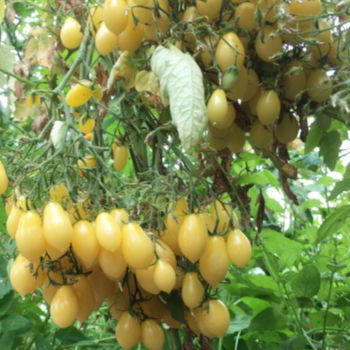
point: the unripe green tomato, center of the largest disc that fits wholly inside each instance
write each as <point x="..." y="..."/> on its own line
<point x="230" y="78"/>
<point x="71" y="36"/>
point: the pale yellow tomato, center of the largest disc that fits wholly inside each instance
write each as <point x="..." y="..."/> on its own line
<point x="108" y="232"/>
<point x="252" y="85"/>
<point x="13" y="221"/>
<point x="268" y="107"/>
<point x="164" y="276"/>
<point x="71" y="36"/>
<point x="217" y="318"/>
<point x="239" y="248"/>
<point x="79" y="94"/>
<point x="237" y="139"/>
<point x="85" y="297"/>
<point x="261" y="135"/>
<point x="209" y="8"/>
<point x="120" y="216"/>
<point x="102" y="286"/>
<point x="112" y="264"/>
<point x="115" y="16"/>
<point x="217" y="106"/>
<point x="95" y="19"/>
<point x="152" y="335"/>
<point x="246" y="14"/>
<point x="192" y="291"/>
<point x="319" y="86"/>
<point x="128" y="331"/>
<point x="270" y="46"/>
<point x="146" y="281"/>
<point x="287" y="130"/>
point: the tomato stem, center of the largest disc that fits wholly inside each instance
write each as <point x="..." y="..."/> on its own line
<point x="174" y="339"/>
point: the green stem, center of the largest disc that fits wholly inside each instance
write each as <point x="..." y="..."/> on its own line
<point x="23" y="80"/>
<point x="174" y="339"/>
<point x="220" y="344"/>
<point x="38" y="332"/>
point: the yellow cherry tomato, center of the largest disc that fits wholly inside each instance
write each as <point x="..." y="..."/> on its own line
<point x="105" y="40"/>
<point x="217" y="106"/>
<point x="95" y="19"/>
<point x="252" y="85"/>
<point x="4" y="181"/>
<point x="293" y="83"/>
<point x="121" y="154"/>
<point x="112" y="264"/>
<point x="13" y="221"/>
<point x="192" y="290"/>
<point x="71" y="36"/>
<point x="270" y="46"/>
<point x="170" y="321"/>
<point x="164" y="276"/>
<point x="319" y="86"/>
<point x="79" y="94"/>
<point x="209" y="45"/>
<point x="152" y="335"/>
<point x="85" y="297"/>
<point x="287" y="130"/>
<point x="221" y="215"/>
<point x="217" y="319"/>
<point x="31" y="102"/>
<point x="164" y="252"/>
<point x="261" y="135"/>
<point x="239" y="248"/>
<point x="108" y="232"/>
<point x="102" y="286"/>
<point x="237" y="139"/>
<point x="239" y="89"/>
<point x="146" y="281"/>
<point x="246" y="14"/>
<point x="192" y="322"/>
<point x="50" y="289"/>
<point x="120" y="216"/>
<point x="128" y="331"/>
<point x="86" y="124"/>
<point x="268" y="107"/>
<point x="209" y="8"/>
<point x="115" y="15"/>
<point x="58" y="192"/>
<point x="89" y="160"/>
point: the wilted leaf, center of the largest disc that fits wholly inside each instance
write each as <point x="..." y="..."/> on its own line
<point x="31" y="48"/>
<point x="57" y="132"/>
<point x="44" y="54"/>
<point x="146" y="81"/>
<point x="7" y="61"/>
<point x="39" y="124"/>
<point x="10" y="14"/>
<point x="22" y="110"/>
<point x="181" y="79"/>
<point x="287" y="189"/>
<point x="124" y="69"/>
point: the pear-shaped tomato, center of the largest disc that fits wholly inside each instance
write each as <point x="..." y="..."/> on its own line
<point x="152" y="335"/>
<point x="202" y="328"/>
<point x="4" y="181"/>
<point x="108" y="232"/>
<point x="239" y="248"/>
<point x="137" y="247"/>
<point x="50" y="288"/>
<point x="79" y="94"/>
<point x="164" y="252"/>
<point x="221" y="214"/>
<point x="13" y="221"/>
<point x="164" y="276"/>
<point x="217" y="318"/>
<point x="64" y="307"/>
<point x="85" y="297"/>
<point x="217" y="106"/>
<point x="71" y="36"/>
<point x="58" y="230"/>
<point x="30" y="238"/>
<point x="115" y="15"/>
<point x="58" y="192"/>
<point x="146" y="281"/>
<point x="120" y="216"/>
<point x="112" y="264"/>
<point x="192" y="290"/>
<point x="128" y="331"/>
<point x="101" y="285"/>
<point x="192" y="322"/>
<point x="193" y="237"/>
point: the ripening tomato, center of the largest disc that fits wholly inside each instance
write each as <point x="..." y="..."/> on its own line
<point x="30" y="101"/>
<point x="252" y="85"/>
<point x="152" y="335"/>
<point x="85" y="244"/>
<point x="100" y="284"/>
<point x="221" y="215"/>
<point x="21" y="276"/>
<point x="115" y="15"/>
<point x="164" y="276"/>
<point x="239" y="248"/>
<point x="79" y="94"/>
<point x="192" y="290"/>
<point x="261" y="135"/>
<point x="105" y="40"/>
<point x="246" y="14"/>
<point x="4" y="181"/>
<point x="86" y="124"/>
<point x="71" y="36"/>
<point x="193" y="237"/>
<point x="209" y="8"/>
<point x="88" y="136"/>
<point x="268" y="107"/>
<point x="108" y="232"/>
<point x="173" y="224"/>
<point x="137" y="246"/>
<point x="85" y="297"/>
<point x="319" y="86"/>
<point x="30" y="238"/>
<point x="293" y="83"/>
<point x="217" y="318"/>
<point x="128" y="331"/>
<point x="64" y="307"/>
<point x="112" y="264"/>
<point x="217" y="106"/>
<point x="225" y="55"/>
<point x="214" y="262"/>
<point x="287" y="130"/>
<point x="270" y="46"/>
<point x="58" y="230"/>
<point x="237" y="139"/>
<point x="120" y="154"/>
<point x="130" y="38"/>
<point x="239" y="89"/>
<point x="95" y="19"/>
<point x="57" y="192"/>
<point x="13" y="221"/>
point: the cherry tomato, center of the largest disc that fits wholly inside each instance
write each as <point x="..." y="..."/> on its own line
<point x="64" y="307"/>
<point x="237" y="139"/>
<point x="97" y="94"/>
<point x="164" y="276"/>
<point x="209" y="8"/>
<point x="217" y="318"/>
<point x="30" y="238"/>
<point x="246" y="14"/>
<point x="269" y="7"/>
<point x="128" y="331"/>
<point x="120" y="216"/>
<point x="112" y="264"/>
<point x="145" y="279"/>
<point x="137" y="246"/>
<point x="86" y="124"/>
<point x="114" y="305"/>
<point x="102" y="286"/>
<point x="270" y="46"/>
<point x="89" y="162"/>
<point x="229" y="51"/>
<point x="13" y="221"/>
<point x="261" y="135"/>
<point x="253" y="102"/>
<point x="190" y="15"/>
<point x="202" y="328"/>
<point x="85" y="297"/>
<point x="88" y="136"/>
<point x="192" y="290"/>
<point x="209" y="45"/>
<point x="164" y="252"/>
<point x="95" y="19"/>
<point x="221" y="215"/>
<point x="71" y="36"/>
<point x="193" y="237"/>
<point x="152" y="335"/>
<point x="108" y="232"/>
<point x="239" y="89"/>
<point x="179" y="277"/>
<point x="217" y="106"/>
<point x="58" y="230"/>
<point x="8" y="203"/>
<point x="192" y="322"/>
<point x="30" y="101"/>
<point x="208" y="221"/>
<point x="105" y="40"/>
<point x="79" y="94"/>
<point x="319" y="86"/>
<point x="4" y="181"/>
<point x="217" y="132"/>
<point x="268" y="107"/>
<point x="239" y="248"/>
<point x="130" y="38"/>
<point x="85" y="244"/>
<point x="214" y="262"/>
<point x="121" y="154"/>
<point x="294" y="83"/>
<point x="306" y="8"/>
<point x="49" y="290"/>
<point x="57" y="192"/>
<point x="143" y="14"/>
<point x="218" y="142"/>
<point x="115" y="15"/>
<point x="252" y="85"/>
<point x="287" y="130"/>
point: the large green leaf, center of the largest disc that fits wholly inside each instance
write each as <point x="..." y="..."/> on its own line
<point x="339" y="188"/>
<point x="334" y="221"/>
<point x="8" y="61"/>
<point x="43" y="344"/>
<point x="181" y="82"/>
<point x="313" y="138"/>
<point x="329" y="148"/>
<point x="268" y="320"/>
<point x="239" y="322"/>
<point x="307" y="282"/>
<point x="15" y="322"/>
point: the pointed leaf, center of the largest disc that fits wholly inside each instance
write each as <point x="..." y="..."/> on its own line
<point x="340" y="187"/>
<point x="307" y="282"/>
<point x="329" y="148"/>
<point x="313" y="138"/>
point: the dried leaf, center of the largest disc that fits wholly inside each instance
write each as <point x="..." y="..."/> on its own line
<point x="290" y="171"/>
<point x="205" y="343"/>
<point x="188" y="343"/>
<point x="261" y="211"/>
<point x="45" y="51"/>
<point x="22" y="110"/>
<point x="303" y="123"/>
<point x="39" y="124"/>
<point x="31" y="48"/>
<point x="287" y="190"/>
<point x="57" y="132"/>
<point x="101" y="75"/>
<point x="22" y="69"/>
<point x="10" y="14"/>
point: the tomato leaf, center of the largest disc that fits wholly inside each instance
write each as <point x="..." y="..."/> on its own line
<point x="181" y="84"/>
<point x="313" y="138"/>
<point x="329" y="148"/>
<point x="307" y="282"/>
<point x="57" y="132"/>
<point x="8" y="61"/>
<point x="174" y="304"/>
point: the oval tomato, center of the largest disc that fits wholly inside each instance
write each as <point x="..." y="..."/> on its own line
<point x="270" y="46"/>
<point x="86" y="124"/>
<point x="152" y="335"/>
<point x="239" y="248"/>
<point x="85" y="297"/>
<point x="79" y="94"/>
<point x="112" y="264"/>
<point x="121" y="154"/>
<point x="192" y="290"/>
<point x="4" y="181"/>
<point x="164" y="276"/>
<point x="268" y="107"/>
<point x="261" y="135"/>
<point x="217" y="318"/>
<point x="71" y="36"/>
<point x="217" y="106"/>
<point x="128" y="331"/>
<point x="115" y="16"/>
<point x="287" y="130"/>
<point x="108" y="232"/>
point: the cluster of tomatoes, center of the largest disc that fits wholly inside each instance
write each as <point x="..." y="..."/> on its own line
<point x="80" y="263"/>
